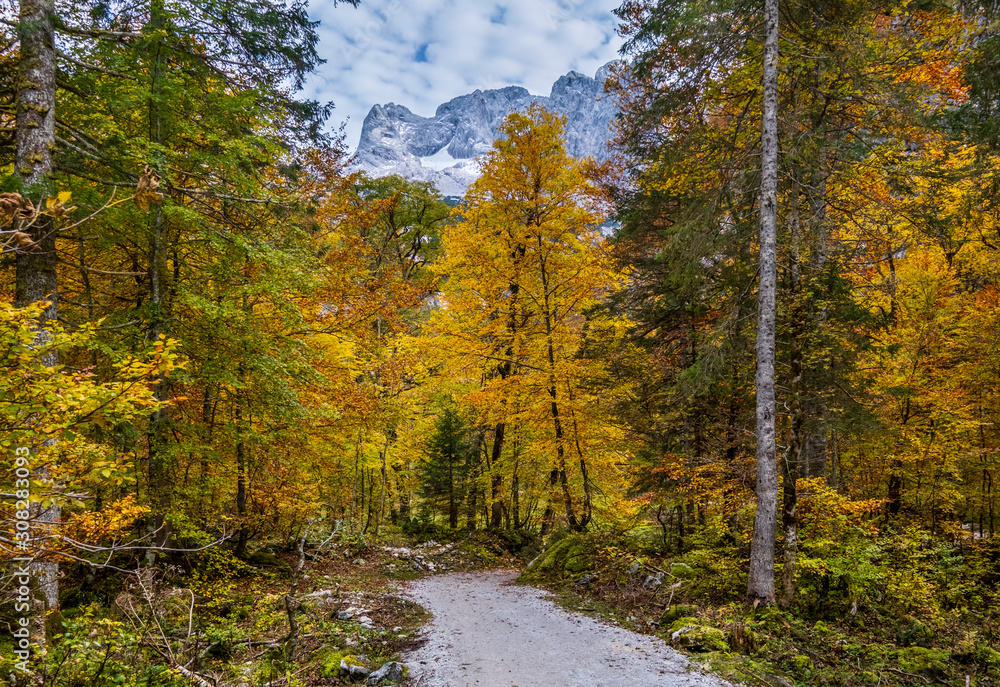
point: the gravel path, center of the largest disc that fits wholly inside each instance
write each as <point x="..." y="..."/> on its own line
<point x="487" y="633"/>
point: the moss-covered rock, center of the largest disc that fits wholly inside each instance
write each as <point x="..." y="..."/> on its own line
<point x="572" y="555"/>
<point x="683" y="622"/>
<point x="699" y="638"/>
<point x="676" y="612"/>
<point x="577" y="560"/>
<point x="682" y="571"/>
<point x="343" y="664"/>
<point x="353" y="666"/>
<point x="331" y="664"/>
<point x="929" y="662"/>
<point x="551" y="558"/>
<point x="392" y="673"/>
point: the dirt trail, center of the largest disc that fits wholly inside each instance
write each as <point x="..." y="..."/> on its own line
<point x="487" y="633"/>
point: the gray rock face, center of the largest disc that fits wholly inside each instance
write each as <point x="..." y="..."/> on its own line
<point x="394" y="140"/>
<point x="389" y="674"/>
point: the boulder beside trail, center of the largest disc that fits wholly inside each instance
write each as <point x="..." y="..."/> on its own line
<point x="354" y="667"/>
<point x="391" y="673"/>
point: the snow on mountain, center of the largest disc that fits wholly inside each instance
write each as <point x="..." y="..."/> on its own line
<point x="442" y="149"/>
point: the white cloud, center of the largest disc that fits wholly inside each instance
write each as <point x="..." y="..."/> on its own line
<point x="372" y="51"/>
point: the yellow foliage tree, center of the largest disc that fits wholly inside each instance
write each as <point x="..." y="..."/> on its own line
<point x="523" y="266"/>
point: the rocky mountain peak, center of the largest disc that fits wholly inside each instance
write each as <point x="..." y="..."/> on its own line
<point x="442" y="148"/>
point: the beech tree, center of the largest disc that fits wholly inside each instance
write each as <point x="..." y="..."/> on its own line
<point x="522" y="267"/>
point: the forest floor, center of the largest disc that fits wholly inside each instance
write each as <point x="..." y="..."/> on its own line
<point x="365" y="606"/>
<point x="488" y="633"/>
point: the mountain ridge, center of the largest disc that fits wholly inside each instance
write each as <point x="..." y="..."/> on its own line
<point x="442" y="148"/>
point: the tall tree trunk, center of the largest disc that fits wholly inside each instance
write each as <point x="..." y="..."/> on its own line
<point x="760" y="584"/>
<point x="554" y="412"/>
<point x="371" y="499"/>
<point x="159" y="483"/>
<point x="36" y="265"/>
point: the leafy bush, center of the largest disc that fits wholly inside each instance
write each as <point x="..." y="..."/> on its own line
<point x="93" y="650"/>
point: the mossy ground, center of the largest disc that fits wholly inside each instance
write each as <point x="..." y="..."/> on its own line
<point x="238" y="621"/>
<point x="803" y="645"/>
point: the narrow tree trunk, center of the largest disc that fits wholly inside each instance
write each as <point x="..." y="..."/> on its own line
<point x="789" y="515"/>
<point x="470" y="516"/>
<point x="989" y="497"/>
<point x="894" y="494"/>
<point x="587" y="512"/>
<point x="472" y="513"/>
<point x="241" y="497"/>
<point x="352" y="518"/>
<point x="813" y="457"/>
<point x="798" y="315"/>
<point x="452" y="497"/>
<point x="679" y="509"/>
<point x="243" y="424"/>
<point x="515" y="487"/>
<point x="549" y="516"/>
<point x="361" y="496"/>
<point x="760" y="584"/>
<point x="496" y="479"/>
<point x="157" y="469"/>
<point x="382" y="493"/>
<point x="371" y="499"/>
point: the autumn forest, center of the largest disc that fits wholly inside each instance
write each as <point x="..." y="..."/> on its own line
<point x="760" y="340"/>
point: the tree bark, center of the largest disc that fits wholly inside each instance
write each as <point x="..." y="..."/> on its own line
<point x="760" y="586"/>
<point x="35" y="278"/>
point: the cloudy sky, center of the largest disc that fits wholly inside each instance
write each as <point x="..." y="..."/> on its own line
<point x="421" y="53"/>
